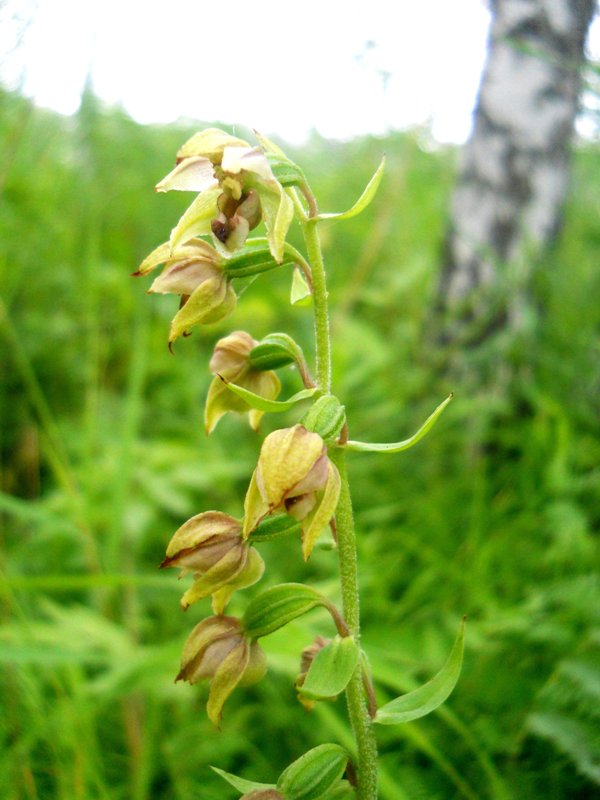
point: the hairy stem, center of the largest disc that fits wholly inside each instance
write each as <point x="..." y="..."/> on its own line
<point x="358" y="707"/>
<point x="315" y="258"/>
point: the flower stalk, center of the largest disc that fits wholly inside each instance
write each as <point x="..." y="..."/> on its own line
<point x="299" y="487"/>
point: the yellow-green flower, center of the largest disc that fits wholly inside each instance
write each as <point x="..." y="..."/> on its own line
<point x="294" y="475"/>
<point x="236" y="188"/>
<point x="217" y="650"/>
<point x="230" y="360"/>
<point x="194" y="271"/>
<point x="210" y="545"/>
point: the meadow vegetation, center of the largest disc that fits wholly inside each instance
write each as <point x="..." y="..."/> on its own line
<point x="103" y="455"/>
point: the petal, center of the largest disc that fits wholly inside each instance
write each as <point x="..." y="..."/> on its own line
<point x="247" y="159"/>
<point x="227" y="677"/>
<point x="196" y="220"/>
<point x="183" y="277"/>
<point x="322" y="514"/>
<point x="315" y="480"/>
<point x="208" y="296"/>
<point x="194" y="174"/>
<point x="255" y="507"/>
<point x="217" y="576"/>
<point x="209" y="143"/>
<point x="286" y="457"/>
<point x="251" y="573"/>
<point x="278" y="213"/>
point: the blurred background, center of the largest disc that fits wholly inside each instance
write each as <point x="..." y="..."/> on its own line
<point x="474" y="270"/>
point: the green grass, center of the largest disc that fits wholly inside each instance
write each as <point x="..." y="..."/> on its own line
<point x="103" y="456"/>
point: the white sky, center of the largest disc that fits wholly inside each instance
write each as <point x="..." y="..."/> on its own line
<point x="344" y="67"/>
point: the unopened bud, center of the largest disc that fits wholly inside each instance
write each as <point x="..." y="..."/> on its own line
<point x="218" y="650"/>
<point x="231" y="361"/>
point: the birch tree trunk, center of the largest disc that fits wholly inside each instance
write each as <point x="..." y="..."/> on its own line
<point x="514" y="172"/>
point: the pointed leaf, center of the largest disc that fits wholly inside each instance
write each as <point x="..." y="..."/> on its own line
<point x="331" y="669"/>
<point x="275" y="607"/>
<point x="241" y="784"/>
<point x="365" y="198"/>
<point x="263" y="404"/>
<point x="314" y="773"/>
<point x="426" y="698"/>
<point x="300" y="294"/>
<point x="398" y="447"/>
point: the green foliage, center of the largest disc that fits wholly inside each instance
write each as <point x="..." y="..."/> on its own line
<point x="492" y="515"/>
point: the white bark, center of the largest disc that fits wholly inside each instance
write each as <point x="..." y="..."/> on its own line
<point x="515" y="168"/>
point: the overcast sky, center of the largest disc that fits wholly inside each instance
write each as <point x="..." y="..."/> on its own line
<point x="343" y="67"/>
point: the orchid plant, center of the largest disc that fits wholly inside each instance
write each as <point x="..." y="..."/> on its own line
<point x="300" y="484"/>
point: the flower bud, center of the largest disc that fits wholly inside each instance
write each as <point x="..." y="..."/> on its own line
<point x="210" y="545"/>
<point x="231" y="360"/>
<point x="294" y="475"/>
<point x="217" y="650"/>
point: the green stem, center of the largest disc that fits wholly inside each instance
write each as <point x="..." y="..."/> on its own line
<point x="315" y="259"/>
<point x="358" y="709"/>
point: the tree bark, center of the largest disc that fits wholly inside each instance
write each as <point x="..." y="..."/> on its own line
<point x="514" y="172"/>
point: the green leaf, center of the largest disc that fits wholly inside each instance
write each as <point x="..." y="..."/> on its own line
<point x="313" y="774"/>
<point x="274" y="351"/>
<point x="365" y="198"/>
<point x="275" y="607"/>
<point x="300" y="294"/>
<point x="241" y="784"/>
<point x="426" y="698"/>
<point x="331" y="669"/>
<point x="398" y="447"/>
<point x="264" y="404"/>
<point x="274" y="528"/>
